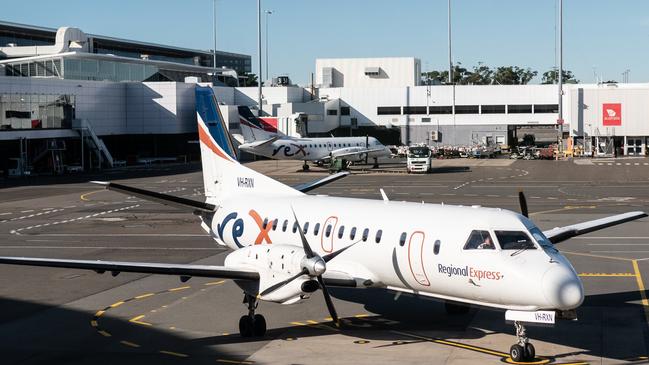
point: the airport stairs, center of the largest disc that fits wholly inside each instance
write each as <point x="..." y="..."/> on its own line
<point x="54" y="149"/>
<point x="97" y="144"/>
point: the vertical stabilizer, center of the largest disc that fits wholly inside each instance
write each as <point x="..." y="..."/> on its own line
<point x="222" y="173"/>
<point x="254" y="128"/>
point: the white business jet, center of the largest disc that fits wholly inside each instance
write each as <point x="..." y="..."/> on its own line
<point x="287" y="244"/>
<point x="265" y="140"/>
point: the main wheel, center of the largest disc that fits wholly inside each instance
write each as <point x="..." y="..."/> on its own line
<point x="305" y="167"/>
<point x="259" y="325"/>
<point x="530" y="352"/>
<point x="516" y="352"/>
<point x="246" y="326"/>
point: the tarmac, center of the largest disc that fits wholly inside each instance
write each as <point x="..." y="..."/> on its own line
<point x="79" y="317"/>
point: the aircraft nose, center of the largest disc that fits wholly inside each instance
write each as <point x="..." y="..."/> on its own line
<point x="562" y="288"/>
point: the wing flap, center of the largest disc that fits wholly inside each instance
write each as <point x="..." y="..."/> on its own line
<point x="207" y="271"/>
<point x="320" y="182"/>
<point x="166" y="199"/>
<point x="561" y="234"/>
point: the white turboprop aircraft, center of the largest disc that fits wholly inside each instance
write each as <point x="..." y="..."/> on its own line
<point x="287" y="244"/>
<point x="264" y="140"/>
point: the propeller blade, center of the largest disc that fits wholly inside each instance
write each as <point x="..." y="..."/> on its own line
<point x="330" y="256"/>
<point x="274" y="287"/>
<point x="523" y="203"/>
<point x="330" y="303"/>
<point x="307" y="249"/>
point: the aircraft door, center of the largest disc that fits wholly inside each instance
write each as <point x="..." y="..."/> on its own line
<point x="416" y="258"/>
<point x="327" y="235"/>
<point x="330" y="146"/>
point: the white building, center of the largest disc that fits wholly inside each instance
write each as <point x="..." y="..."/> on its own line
<point x="368" y="72"/>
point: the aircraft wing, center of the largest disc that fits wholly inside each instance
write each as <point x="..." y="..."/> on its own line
<point x="320" y="182"/>
<point x="355" y="153"/>
<point x="561" y="234"/>
<point x="185" y="271"/>
<point x="116" y="267"/>
<point x="166" y="199"/>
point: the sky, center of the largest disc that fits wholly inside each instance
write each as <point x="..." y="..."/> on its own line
<point x="603" y="37"/>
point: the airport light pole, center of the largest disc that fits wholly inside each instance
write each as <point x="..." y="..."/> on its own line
<point x="259" y="78"/>
<point x="214" y="29"/>
<point x="268" y="12"/>
<point x="560" y="76"/>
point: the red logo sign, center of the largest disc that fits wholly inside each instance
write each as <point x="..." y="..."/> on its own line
<point x="612" y="114"/>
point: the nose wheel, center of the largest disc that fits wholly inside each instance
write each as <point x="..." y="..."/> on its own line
<point x="522" y="351"/>
<point x="252" y="325"/>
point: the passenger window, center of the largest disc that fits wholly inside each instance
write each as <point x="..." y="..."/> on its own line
<point x="275" y="224"/>
<point x="480" y="240"/>
<point x="378" y="235"/>
<point x="263" y="225"/>
<point x="328" y="231"/>
<point x="316" y="229"/>
<point x="295" y="227"/>
<point x="285" y="225"/>
<point x="306" y="228"/>
<point x="402" y="239"/>
<point x="341" y="231"/>
<point x="366" y="233"/>
<point x="352" y="233"/>
<point x="436" y="247"/>
<point x="514" y="240"/>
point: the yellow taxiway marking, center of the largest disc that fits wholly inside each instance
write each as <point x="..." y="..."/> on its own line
<point x="93" y="323"/>
<point x="226" y="361"/>
<point x="638" y="277"/>
<point x="177" y="354"/>
<point x="215" y="283"/>
<point x="137" y="320"/>
<point x="567" y="207"/>
<point x="115" y="305"/>
<point x="104" y="333"/>
<point x="608" y="275"/>
<point x="597" y="256"/>
<point x="298" y="323"/>
<point x="99" y="313"/>
<point x="129" y="344"/>
<point x="454" y="344"/>
<point x="179" y="288"/>
<point x="84" y="197"/>
<point x="145" y="296"/>
<point x="310" y="321"/>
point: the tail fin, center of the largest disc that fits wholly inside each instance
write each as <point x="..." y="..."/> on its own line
<point x="222" y="173"/>
<point x="254" y="128"/>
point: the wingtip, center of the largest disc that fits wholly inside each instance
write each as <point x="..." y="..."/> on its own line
<point x="104" y="183"/>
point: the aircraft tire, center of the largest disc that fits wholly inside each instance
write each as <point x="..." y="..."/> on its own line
<point x="517" y="353"/>
<point x="246" y="326"/>
<point x="530" y="352"/>
<point x="259" y="325"/>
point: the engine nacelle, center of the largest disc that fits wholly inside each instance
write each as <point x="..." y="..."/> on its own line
<point x="275" y="263"/>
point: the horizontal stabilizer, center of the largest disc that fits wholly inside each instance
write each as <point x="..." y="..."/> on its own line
<point x="561" y="234"/>
<point x="320" y="182"/>
<point x="166" y="199"/>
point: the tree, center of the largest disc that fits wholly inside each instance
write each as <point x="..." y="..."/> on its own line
<point x="513" y="75"/>
<point x="249" y="79"/>
<point x="481" y="75"/>
<point x="551" y="77"/>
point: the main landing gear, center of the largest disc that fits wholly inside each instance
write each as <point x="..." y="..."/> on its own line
<point x="523" y="350"/>
<point x="252" y="325"/>
<point x="305" y="167"/>
<point x="376" y="163"/>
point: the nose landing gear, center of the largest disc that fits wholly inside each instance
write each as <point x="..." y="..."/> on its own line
<point x="523" y="350"/>
<point x="252" y="325"/>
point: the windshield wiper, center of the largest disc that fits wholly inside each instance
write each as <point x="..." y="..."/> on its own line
<point x="523" y="248"/>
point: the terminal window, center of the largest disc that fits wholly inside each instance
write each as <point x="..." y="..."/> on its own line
<point x="388" y="110"/>
<point x="467" y="109"/>
<point x="546" y="108"/>
<point x="440" y="110"/>
<point x="493" y="109"/>
<point x="519" y="109"/>
<point x="414" y="110"/>
<point x="344" y="110"/>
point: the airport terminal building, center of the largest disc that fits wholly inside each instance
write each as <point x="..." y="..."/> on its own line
<point x="63" y="91"/>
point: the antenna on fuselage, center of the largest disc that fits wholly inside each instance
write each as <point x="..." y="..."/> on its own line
<point x="384" y="195"/>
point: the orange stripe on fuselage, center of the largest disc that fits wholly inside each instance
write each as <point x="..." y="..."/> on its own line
<point x="205" y="138"/>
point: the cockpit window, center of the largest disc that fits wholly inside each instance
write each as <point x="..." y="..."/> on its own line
<point x="479" y="240"/>
<point x="540" y="238"/>
<point x="514" y="240"/>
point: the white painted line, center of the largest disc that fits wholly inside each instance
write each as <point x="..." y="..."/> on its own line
<point x="27" y="211"/>
<point x="114" y="248"/>
<point x="7" y="213"/>
<point x="619" y="251"/>
<point x="611" y="238"/>
<point x="618" y="244"/>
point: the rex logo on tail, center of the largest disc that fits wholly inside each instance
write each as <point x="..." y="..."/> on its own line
<point x="286" y="244"/>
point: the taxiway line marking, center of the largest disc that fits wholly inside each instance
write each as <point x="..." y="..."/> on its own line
<point x="177" y="354"/>
<point x="454" y="344"/>
<point x="225" y="361"/>
<point x="104" y="333"/>
<point x="179" y="288"/>
<point x="638" y="276"/>
<point x="99" y="313"/>
<point x="136" y="320"/>
<point x="597" y="256"/>
<point x="145" y="296"/>
<point x="84" y="197"/>
<point x="115" y="305"/>
<point x="129" y="344"/>
<point x="612" y="275"/>
<point x="214" y="283"/>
